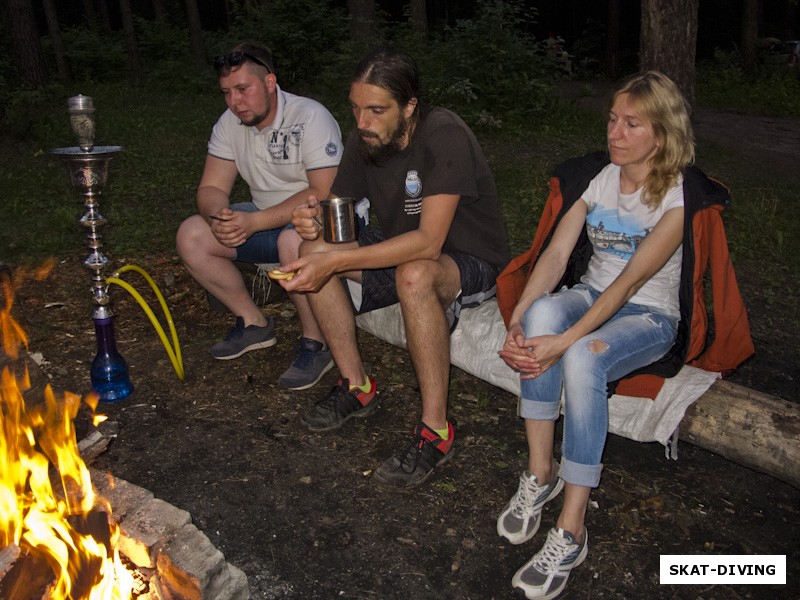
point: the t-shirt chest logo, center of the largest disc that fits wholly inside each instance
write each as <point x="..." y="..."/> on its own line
<point x="413" y="184"/>
<point x="413" y="205"/>
<point x="284" y="144"/>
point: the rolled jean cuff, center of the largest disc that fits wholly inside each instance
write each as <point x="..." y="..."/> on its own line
<point x="537" y="410"/>
<point x="578" y="474"/>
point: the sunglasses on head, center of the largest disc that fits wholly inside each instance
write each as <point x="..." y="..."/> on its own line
<point x="236" y="58"/>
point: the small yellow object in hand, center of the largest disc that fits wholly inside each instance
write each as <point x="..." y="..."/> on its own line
<point x="278" y="274"/>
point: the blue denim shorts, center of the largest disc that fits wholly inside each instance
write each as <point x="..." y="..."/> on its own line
<point x="262" y="246"/>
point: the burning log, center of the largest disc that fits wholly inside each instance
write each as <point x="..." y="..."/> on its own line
<point x="23" y="575"/>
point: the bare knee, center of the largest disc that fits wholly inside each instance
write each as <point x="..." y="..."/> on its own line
<point x="597" y="346"/>
<point x="190" y="235"/>
<point x="414" y="278"/>
<point x="289" y="245"/>
<point x="307" y="247"/>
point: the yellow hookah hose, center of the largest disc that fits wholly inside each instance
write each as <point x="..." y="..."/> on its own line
<point x="174" y="355"/>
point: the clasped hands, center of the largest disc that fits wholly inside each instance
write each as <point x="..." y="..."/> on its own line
<point x="231" y="228"/>
<point x="530" y="357"/>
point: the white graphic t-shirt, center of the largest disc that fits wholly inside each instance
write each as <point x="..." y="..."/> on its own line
<point x="304" y="136"/>
<point x="617" y="224"/>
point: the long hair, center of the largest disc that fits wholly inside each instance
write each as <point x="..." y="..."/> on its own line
<point x="658" y="100"/>
<point x="394" y="71"/>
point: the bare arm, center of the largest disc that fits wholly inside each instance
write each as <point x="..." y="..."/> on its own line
<point x="319" y="186"/>
<point x="551" y="264"/>
<point x="424" y="242"/>
<point x="213" y="200"/>
<point x="213" y="193"/>
<point x="649" y="258"/>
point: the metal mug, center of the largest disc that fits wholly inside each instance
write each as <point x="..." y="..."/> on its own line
<point x="338" y="220"/>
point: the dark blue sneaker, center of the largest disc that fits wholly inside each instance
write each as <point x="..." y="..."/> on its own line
<point x="310" y="364"/>
<point x="243" y="339"/>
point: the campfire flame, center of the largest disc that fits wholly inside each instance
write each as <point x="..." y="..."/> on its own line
<point x="56" y="523"/>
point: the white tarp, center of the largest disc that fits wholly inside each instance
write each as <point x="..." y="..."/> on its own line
<point x="480" y="334"/>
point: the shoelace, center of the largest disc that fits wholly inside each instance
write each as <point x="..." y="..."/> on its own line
<point x="235" y="333"/>
<point x="523" y="499"/>
<point x="335" y="396"/>
<point x="555" y="549"/>
<point x="415" y="446"/>
<point x="305" y="357"/>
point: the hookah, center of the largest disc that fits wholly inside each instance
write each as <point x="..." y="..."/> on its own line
<point x="88" y="167"/>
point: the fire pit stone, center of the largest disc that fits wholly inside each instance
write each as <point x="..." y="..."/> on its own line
<point x="145" y="530"/>
<point x="156" y="535"/>
<point x="123" y="496"/>
<point x="191" y="568"/>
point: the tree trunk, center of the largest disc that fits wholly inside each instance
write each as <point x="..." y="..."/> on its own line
<point x="55" y="38"/>
<point x="196" y="34"/>
<point x="612" y="40"/>
<point x="134" y="61"/>
<point x="27" y="49"/>
<point x="362" y="21"/>
<point x="91" y="15"/>
<point x="159" y="11"/>
<point x="419" y="16"/>
<point x="105" y="17"/>
<point x="749" y="34"/>
<point x="669" y="41"/>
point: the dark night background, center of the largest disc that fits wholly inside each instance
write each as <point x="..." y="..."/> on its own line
<point x="579" y="22"/>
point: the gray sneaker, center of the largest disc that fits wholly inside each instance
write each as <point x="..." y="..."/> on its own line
<point x="310" y="364"/>
<point x="545" y="575"/>
<point x="242" y="339"/>
<point x="520" y="519"/>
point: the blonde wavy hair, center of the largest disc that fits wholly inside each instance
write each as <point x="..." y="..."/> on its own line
<point x="658" y="100"/>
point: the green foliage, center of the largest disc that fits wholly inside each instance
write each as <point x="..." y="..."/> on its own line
<point x="306" y="36"/>
<point x="489" y="68"/>
<point x="94" y="56"/>
<point x="28" y="113"/>
<point x="721" y="83"/>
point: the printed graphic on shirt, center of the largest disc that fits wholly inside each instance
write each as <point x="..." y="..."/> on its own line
<point x="284" y="144"/>
<point x="610" y="233"/>
<point x="331" y="149"/>
<point x="413" y="184"/>
<point x="413" y="204"/>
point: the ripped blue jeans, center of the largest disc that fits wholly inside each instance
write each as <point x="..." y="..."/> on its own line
<point x="632" y="338"/>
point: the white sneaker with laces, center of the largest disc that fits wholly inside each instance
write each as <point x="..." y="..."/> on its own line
<point x="520" y="519"/>
<point x="545" y="575"/>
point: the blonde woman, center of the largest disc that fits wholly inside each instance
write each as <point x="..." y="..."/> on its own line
<point x="622" y="315"/>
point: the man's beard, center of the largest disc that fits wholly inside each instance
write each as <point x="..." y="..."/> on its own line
<point x="254" y="121"/>
<point x="260" y="116"/>
<point x="381" y="153"/>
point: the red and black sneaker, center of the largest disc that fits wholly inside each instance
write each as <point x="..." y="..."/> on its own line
<point x="339" y="405"/>
<point x="424" y="453"/>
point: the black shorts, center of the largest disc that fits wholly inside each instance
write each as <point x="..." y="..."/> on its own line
<point x="378" y="287"/>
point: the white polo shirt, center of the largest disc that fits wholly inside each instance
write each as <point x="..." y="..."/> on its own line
<point x="303" y="136"/>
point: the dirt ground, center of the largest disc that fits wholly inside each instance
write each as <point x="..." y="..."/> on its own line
<point x="300" y="513"/>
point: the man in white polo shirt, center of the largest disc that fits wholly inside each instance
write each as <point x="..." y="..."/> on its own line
<point x="286" y="148"/>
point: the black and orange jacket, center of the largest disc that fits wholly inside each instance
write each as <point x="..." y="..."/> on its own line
<point x="705" y="251"/>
